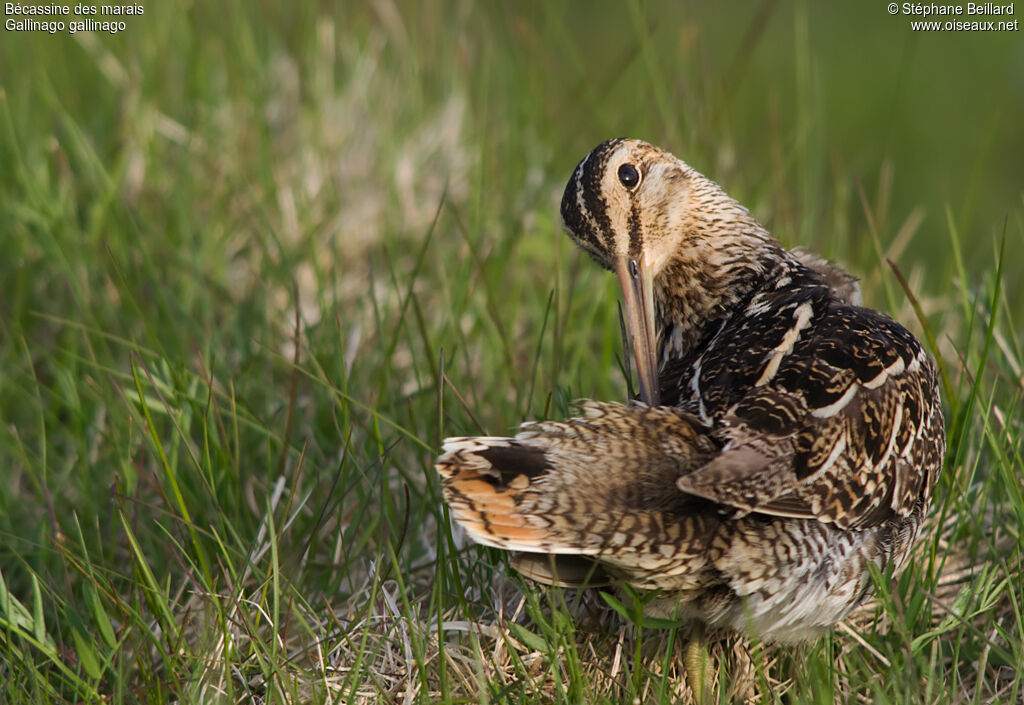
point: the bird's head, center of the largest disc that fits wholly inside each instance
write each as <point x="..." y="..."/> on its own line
<point x="638" y="210"/>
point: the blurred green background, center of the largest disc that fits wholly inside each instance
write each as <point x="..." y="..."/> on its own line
<point x="778" y="101"/>
<point x="173" y="196"/>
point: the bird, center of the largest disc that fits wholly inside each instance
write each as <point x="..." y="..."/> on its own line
<point x="785" y="443"/>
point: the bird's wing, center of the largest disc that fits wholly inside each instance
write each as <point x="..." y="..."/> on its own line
<point x="839" y="420"/>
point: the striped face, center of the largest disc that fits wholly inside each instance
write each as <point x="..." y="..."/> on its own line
<point x="627" y="198"/>
<point x="623" y="206"/>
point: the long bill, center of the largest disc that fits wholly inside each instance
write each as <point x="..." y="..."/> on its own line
<point x="637" y="280"/>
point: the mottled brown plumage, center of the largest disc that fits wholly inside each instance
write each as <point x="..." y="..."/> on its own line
<point x="792" y="437"/>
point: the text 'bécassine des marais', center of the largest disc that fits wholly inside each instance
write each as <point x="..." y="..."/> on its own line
<point x="16" y="8"/>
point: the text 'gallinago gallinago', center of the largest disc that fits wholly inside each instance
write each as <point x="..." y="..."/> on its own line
<point x="788" y="438"/>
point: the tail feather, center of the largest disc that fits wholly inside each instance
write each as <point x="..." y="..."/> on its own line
<point x="601" y="485"/>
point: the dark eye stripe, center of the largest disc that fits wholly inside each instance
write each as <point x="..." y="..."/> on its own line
<point x="590" y="183"/>
<point x="574" y="213"/>
<point x="584" y="208"/>
<point x="634" y="230"/>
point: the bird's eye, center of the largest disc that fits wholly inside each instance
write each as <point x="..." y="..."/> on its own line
<point x="629" y="176"/>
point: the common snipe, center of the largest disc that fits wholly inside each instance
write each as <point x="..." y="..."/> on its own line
<point x="787" y="438"/>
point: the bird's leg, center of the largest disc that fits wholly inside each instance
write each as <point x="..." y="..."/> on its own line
<point x="697" y="664"/>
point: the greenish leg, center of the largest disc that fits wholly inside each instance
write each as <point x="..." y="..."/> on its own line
<point x="697" y="663"/>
